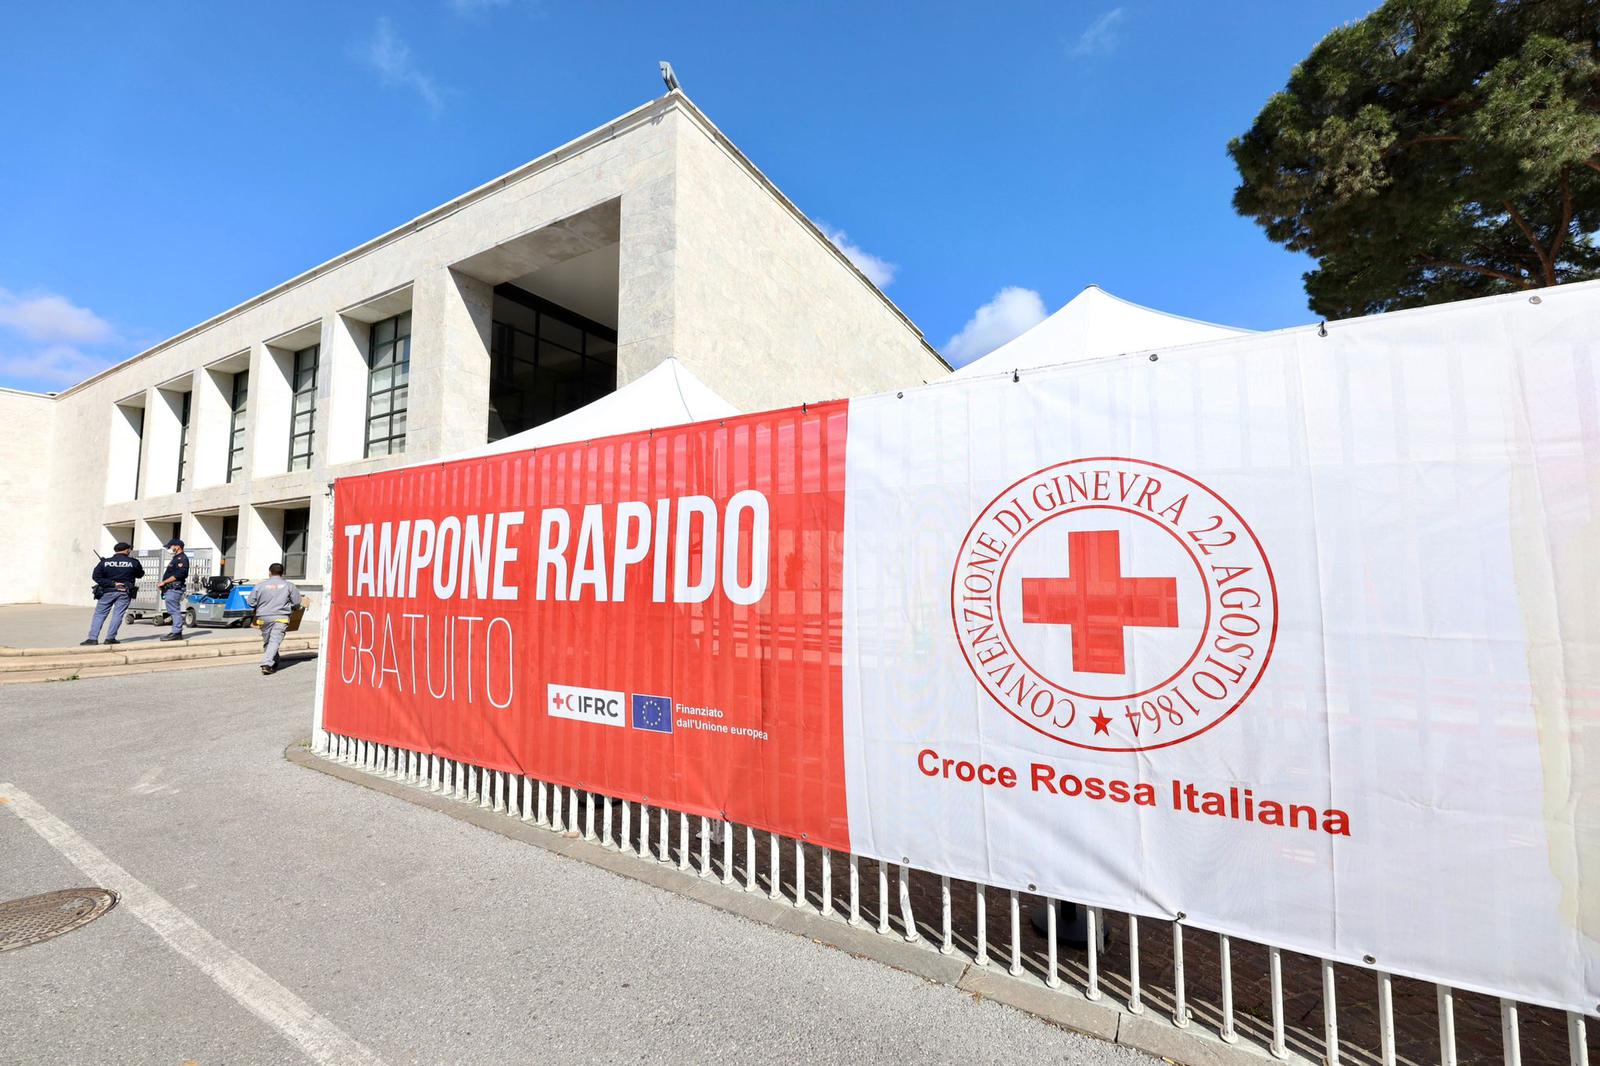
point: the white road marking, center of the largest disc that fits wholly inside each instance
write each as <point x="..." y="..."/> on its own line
<point x="316" y="1036"/>
<point x="149" y="786"/>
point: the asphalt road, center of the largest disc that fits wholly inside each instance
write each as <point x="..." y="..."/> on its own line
<point x="381" y="931"/>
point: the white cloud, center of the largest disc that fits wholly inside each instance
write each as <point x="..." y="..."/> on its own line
<point x="1102" y="36"/>
<point x="51" y="318"/>
<point x="1012" y="311"/>
<point x="879" y="271"/>
<point x="43" y="337"/>
<point x="388" y="54"/>
<point x="50" y="368"/>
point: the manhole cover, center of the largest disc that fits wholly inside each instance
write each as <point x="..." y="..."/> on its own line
<point x="35" y="918"/>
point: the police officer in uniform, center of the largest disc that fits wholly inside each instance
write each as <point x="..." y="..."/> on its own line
<point x="173" y="580"/>
<point x="114" y="579"/>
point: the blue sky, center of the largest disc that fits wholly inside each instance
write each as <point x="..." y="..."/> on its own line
<point x="163" y="162"/>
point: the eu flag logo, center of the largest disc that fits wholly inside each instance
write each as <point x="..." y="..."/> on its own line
<point x="652" y="713"/>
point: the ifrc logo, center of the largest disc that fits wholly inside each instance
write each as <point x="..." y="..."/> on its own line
<point x="586" y="705"/>
<point x="1114" y="604"/>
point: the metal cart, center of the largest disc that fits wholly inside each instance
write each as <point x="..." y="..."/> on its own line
<point x="147" y="603"/>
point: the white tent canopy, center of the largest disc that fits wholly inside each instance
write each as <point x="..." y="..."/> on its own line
<point x="668" y="395"/>
<point x="1092" y="325"/>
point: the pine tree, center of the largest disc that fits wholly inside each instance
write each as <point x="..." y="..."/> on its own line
<point x="1433" y="151"/>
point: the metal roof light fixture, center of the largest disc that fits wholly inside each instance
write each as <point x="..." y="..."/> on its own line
<point x="669" y="77"/>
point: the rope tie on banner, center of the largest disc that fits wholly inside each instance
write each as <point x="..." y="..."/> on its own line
<point x="1015" y="377"/>
<point x="1322" y="329"/>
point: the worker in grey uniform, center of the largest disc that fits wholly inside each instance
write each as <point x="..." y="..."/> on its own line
<point x="273" y="600"/>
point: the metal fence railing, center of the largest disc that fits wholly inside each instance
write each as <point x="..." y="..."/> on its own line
<point x="1286" y="1004"/>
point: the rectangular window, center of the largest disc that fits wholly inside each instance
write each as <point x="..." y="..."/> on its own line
<point x="229" y="544"/>
<point x="389" y="374"/>
<point x="241" y="395"/>
<point x="295" y="525"/>
<point x="544" y="361"/>
<point x="183" y="439"/>
<point x="303" y="407"/>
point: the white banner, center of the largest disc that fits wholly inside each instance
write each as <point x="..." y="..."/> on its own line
<point x="1296" y="635"/>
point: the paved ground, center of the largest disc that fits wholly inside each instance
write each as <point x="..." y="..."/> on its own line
<point x="394" y="928"/>
<point x="49" y="625"/>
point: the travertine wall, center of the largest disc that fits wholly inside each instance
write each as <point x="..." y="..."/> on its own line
<point x="769" y="313"/>
<point x="26" y="441"/>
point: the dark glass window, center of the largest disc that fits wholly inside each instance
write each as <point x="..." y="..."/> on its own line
<point x="544" y="362"/>
<point x="303" y="407"/>
<point x="228" y="547"/>
<point x="295" y="525"/>
<point x="183" y="439"/>
<point x="389" y="373"/>
<point x="241" y="395"/>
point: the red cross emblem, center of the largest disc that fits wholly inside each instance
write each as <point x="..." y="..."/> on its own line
<point x="1011" y="591"/>
<point x="1098" y="603"/>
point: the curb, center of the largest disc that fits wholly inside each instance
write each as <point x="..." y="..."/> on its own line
<point x="138" y="666"/>
<point x="1066" y="1007"/>
<point x="199" y="641"/>
<point x="150" y="644"/>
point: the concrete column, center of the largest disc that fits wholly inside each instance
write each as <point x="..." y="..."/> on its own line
<point x="450" y="334"/>
<point x="153" y="534"/>
<point x="322" y="417"/>
<point x="205" y="531"/>
<point x="122" y="464"/>
<point x="210" y="422"/>
<point x="162" y="435"/>
<point x="646" y="296"/>
<point x="260" y="541"/>
<point x="319" y="554"/>
<point x="320" y="539"/>
<point x="109" y="535"/>
<point x="342" y="392"/>
<point x="267" y="440"/>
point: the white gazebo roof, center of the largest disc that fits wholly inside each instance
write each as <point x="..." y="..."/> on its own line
<point x="667" y="395"/>
<point x="1092" y="325"/>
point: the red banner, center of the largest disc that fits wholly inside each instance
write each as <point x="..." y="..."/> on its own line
<point x="656" y="617"/>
